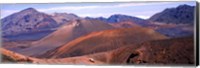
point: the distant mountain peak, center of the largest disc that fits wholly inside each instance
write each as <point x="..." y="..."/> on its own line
<point x="59" y="13"/>
<point x="27" y="20"/>
<point x="182" y="14"/>
<point x="119" y="15"/>
<point x="118" y="18"/>
<point x="184" y="5"/>
<point x="29" y="10"/>
<point x="65" y="14"/>
<point x="62" y="18"/>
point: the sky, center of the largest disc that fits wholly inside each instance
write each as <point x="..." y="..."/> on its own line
<point x="138" y="9"/>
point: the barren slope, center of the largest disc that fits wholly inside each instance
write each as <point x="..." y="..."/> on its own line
<point x="158" y="52"/>
<point x="12" y="57"/>
<point x="170" y="51"/>
<point x="65" y="34"/>
<point x="104" y="41"/>
<point x="177" y="51"/>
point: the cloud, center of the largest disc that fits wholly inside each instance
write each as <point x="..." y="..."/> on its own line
<point x="130" y="4"/>
<point x="141" y="4"/>
<point x="100" y="6"/>
<point x="106" y="15"/>
<point x="142" y="16"/>
<point x="69" y="8"/>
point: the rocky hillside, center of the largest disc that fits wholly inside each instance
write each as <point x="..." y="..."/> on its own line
<point x="169" y="51"/>
<point x="174" y="52"/>
<point x="26" y="21"/>
<point x="180" y="19"/>
<point x="62" y="18"/>
<point x="12" y="57"/>
<point x="183" y="14"/>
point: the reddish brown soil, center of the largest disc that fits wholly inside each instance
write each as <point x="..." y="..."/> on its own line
<point x="104" y="41"/>
<point x="65" y="34"/>
<point x="170" y="51"/>
<point x="179" y="51"/>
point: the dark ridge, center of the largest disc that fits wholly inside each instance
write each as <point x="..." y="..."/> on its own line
<point x="117" y="18"/>
<point x="29" y="9"/>
<point x="183" y="14"/>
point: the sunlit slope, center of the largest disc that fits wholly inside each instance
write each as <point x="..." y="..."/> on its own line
<point x="65" y="34"/>
<point x="104" y="41"/>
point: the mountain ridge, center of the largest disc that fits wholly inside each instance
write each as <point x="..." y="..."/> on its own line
<point x="27" y="20"/>
<point x="183" y="14"/>
<point x="117" y="18"/>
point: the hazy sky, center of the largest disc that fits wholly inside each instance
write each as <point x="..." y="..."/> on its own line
<point x="137" y="9"/>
